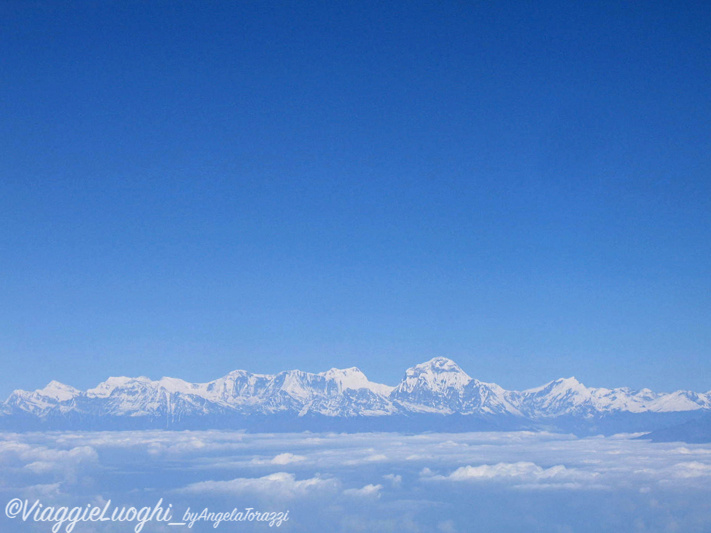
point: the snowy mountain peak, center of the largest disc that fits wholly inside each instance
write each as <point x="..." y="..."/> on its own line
<point x="104" y="390"/>
<point x="176" y="385"/>
<point x="436" y="385"/>
<point x="347" y="378"/>
<point x="559" y="385"/>
<point x="570" y="383"/>
<point x="572" y="380"/>
<point x="58" y="391"/>
<point x="438" y="365"/>
<point x="236" y="374"/>
<point x="353" y="378"/>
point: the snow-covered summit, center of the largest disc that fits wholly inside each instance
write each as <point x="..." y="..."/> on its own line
<point x="437" y="385"/>
<point x="561" y="396"/>
<point x="41" y="401"/>
<point x="436" y="365"/>
<point x="353" y="378"/>
<point x="58" y="391"/>
<point x="438" y="374"/>
<point x="106" y="388"/>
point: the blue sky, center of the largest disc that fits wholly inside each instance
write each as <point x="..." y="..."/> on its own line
<point x="187" y="188"/>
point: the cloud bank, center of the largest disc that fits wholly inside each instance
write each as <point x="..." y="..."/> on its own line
<point x="378" y="481"/>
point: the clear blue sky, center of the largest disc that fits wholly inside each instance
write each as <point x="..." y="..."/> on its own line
<point x="188" y="188"/>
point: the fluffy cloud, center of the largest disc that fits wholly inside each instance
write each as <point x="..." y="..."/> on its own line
<point x="376" y="481"/>
<point x="369" y="491"/>
<point x="281" y="459"/>
<point x="287" y="458"/>
<point x="48" y="460"/>
<point x="519" y="475"/>
<point x="691" y="469"/>
<point x="395" y="479"/>
<point x="49" y="464"/>
<point x="511" y="471"/>
<point x="281" y="485"/>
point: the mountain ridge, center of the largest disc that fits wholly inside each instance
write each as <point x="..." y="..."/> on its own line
<point x="438" y="387"/>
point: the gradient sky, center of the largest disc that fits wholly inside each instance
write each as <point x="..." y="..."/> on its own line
<point x="188" y="188"/>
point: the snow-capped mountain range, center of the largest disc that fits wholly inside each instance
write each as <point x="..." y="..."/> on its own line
<point x="437" y="387"/>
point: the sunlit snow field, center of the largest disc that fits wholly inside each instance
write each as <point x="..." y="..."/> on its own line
<point x="470" y="482"/>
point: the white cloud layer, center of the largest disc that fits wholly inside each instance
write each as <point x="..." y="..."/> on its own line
<point x="280" y="485"/>
<point x="378" y="481"/>
<point x="369" y="491"/>
<point x="518" y="472"/>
